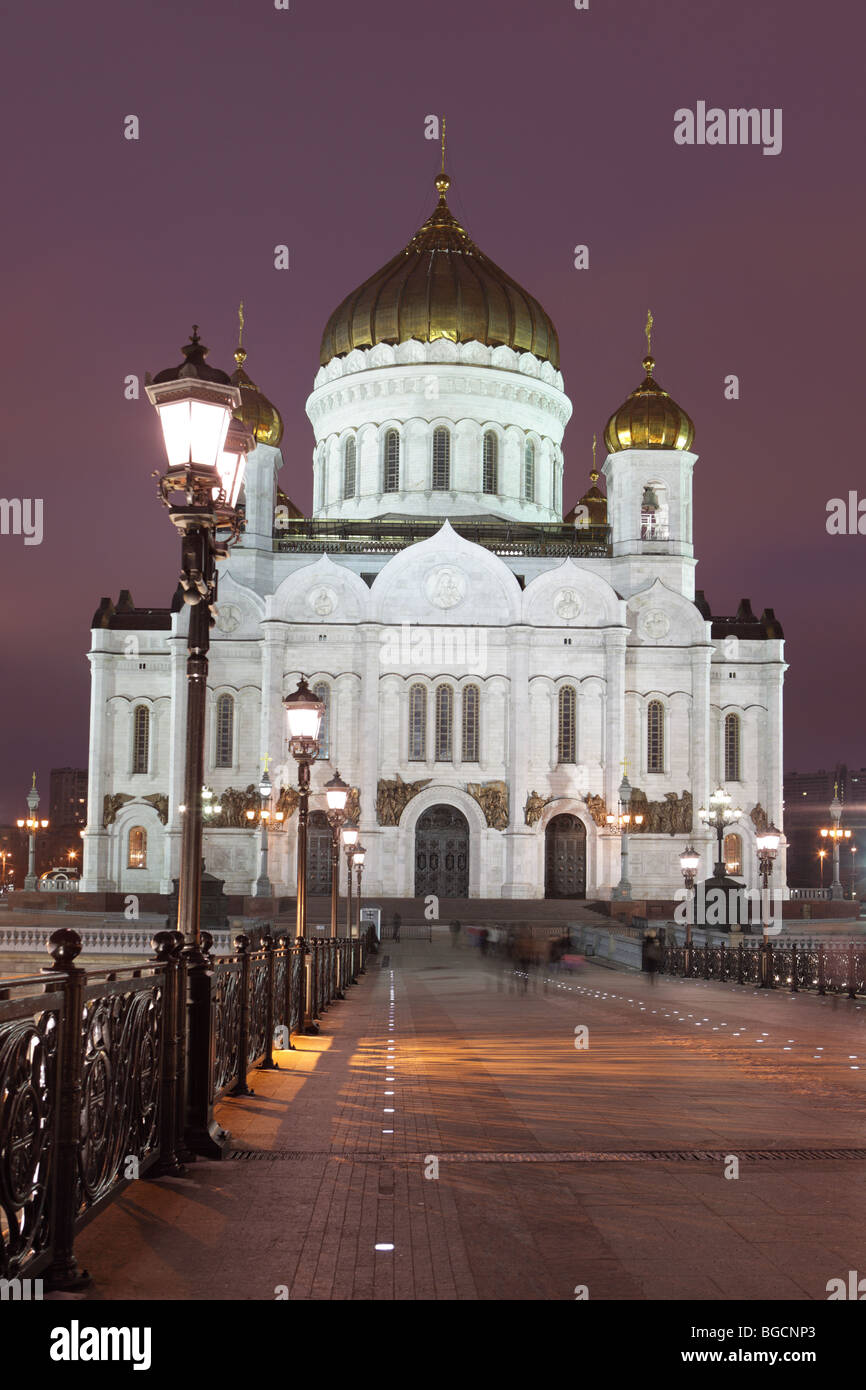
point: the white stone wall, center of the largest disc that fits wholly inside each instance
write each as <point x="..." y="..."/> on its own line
<point x="415" y="387"/>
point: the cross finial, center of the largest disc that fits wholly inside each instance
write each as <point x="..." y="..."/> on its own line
<point x="241" y="324"/>
<point x="624" y="766"/>
<point x="649" y="332"/>
<point x="33" y="784"/>
<point x="267" y="759"/>
<point x="443" y="144"/>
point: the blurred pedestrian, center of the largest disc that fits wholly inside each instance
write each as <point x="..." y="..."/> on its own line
<point x="395" y="926"/>
<point x="454" y="928"/>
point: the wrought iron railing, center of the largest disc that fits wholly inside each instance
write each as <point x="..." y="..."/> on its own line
<point x="794" y="965"/>
<point x="111" y="1076"/>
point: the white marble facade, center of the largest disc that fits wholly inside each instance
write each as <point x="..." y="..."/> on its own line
<point x="505" y="632"/>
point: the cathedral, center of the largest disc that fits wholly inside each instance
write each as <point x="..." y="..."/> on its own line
<point x="491" y="666"/>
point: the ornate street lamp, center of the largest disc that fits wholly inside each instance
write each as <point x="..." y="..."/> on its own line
<point x="358" y="858"/>
<point x="206" y="453"/>
<point x="768" y="847"/>
<point x="262" y="886"/>
<point x="32" y="824"/>
<point x="337" y="792"/>
<point x="350" y="840"/>
<point x="690" y="862"/>
<point x="837" y="835"/>
<point x="719" y="816"/>
<point x="304" y="714"/>
<point x="624" y="820"/>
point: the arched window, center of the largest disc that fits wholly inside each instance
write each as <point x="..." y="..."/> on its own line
<point x="441" y="459"/>
<point x="529" y="471"/>
<point x="733" y="852"/>
<point x="654" y="513"/>
<point x="323" y="692"/>
<point x="566" y="739"/>
<point x="417" y="723"/>
<point x="225" y="728"/>
<point x="655" y="736"/>
<point x="490" y="478"/>
<point x="137" y="848"/>
<point x="470" y="723"/>
<point x="350" y="455"/>
<point x="444" y="722"/>
<point x="391" y="469"/>
<point x="732" y="748"/>
<point x="140" y="738"/>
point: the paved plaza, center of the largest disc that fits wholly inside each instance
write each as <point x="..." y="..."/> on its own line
<point x="555" y="1164"/>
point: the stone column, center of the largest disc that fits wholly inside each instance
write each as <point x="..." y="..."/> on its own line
<point x="701" y="746"/>
<point x="94" y="878"/>
<point x="614" y="715"/>
<point x="520" y="839"/>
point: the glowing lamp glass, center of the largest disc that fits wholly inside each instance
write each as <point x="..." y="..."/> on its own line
<point x="194" y="431"/>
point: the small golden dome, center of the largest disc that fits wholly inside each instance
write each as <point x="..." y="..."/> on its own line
<point x="440" y="286"/>
<point x="593" y="500"/>
<point x="256" y="410"/>
<point x="649" y="419"/>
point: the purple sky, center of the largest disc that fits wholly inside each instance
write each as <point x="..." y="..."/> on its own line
<point x="306" y="127"/>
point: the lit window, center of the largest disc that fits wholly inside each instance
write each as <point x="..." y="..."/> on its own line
<point x="529" y="471"/>
<point x="140" y="738"/>
<point x="137" y="846"/>
<point x="732" y="748"/>
<point x="490" y="480"/>
<point x="567" y="726"/>
<point x="350" y="455"/>
<point x="655" y="736"/>
<point x="470" y="724"/>
<point x="733" y="852"/>
<point x="444" y="722"/>
<point x="225" y="724"/>
<point x="441" y="459"/>
<point x="417" y="723"/>
<point x="323" y="692"/>
<point x="391" y="472"/>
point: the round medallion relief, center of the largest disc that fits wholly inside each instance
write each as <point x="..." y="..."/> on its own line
<point x="445" y="587"/>
<point x="229" y="617"/>
<point x="567" y="604"/>
<point x="655" y="624"/>
<point x="322" y="600"/>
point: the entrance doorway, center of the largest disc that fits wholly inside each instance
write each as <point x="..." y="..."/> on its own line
<point x="442" y="854"/>
<point x="565" y="858"/>
<point x="318" y="856"/>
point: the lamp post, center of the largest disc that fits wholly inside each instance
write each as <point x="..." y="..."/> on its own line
<point x="350" y="840"/>
<point x="690" y="862"/>
<point x="836" y="834"/>
<point x="853" y="849"/>
<point x="32" y="824"/>
<point x="336" y="792"/>
<point x="358" y="858"/>
<point x="262" y="886"/>
<point x="304" y="714"/>
<point x="623" y="820"/>
<point x="768" y="847"/>
<point x="206" y="453"/>
<point x="719" y="816"/>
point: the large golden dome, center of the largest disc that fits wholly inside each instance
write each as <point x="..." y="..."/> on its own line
<point x="256" y="410"/>
<point x="649" y="419"/>
<point x="440" y="286"/>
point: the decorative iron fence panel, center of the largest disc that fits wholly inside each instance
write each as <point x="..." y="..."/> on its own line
<point x="122" y="1034"/>
<point x="258" y="1042"/>
<point x="296" y="1016"/>
<point x="837" y="968"/>
<point x="29" y="1040"/>
<point x="226" y="986"/>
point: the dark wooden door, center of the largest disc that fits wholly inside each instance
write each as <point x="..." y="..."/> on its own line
<point x="318" y="856"/>
<point x="565" y="858"/>
<point x="442" y="854"/>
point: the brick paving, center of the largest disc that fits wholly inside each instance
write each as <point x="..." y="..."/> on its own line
<point x="480" y="1068"/>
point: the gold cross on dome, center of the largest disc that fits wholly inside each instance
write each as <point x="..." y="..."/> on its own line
<point x="443" y="144"/>
<point x="649" y="332"/>
<point x="241" y="324"/>
<point x="624" y="766"/>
